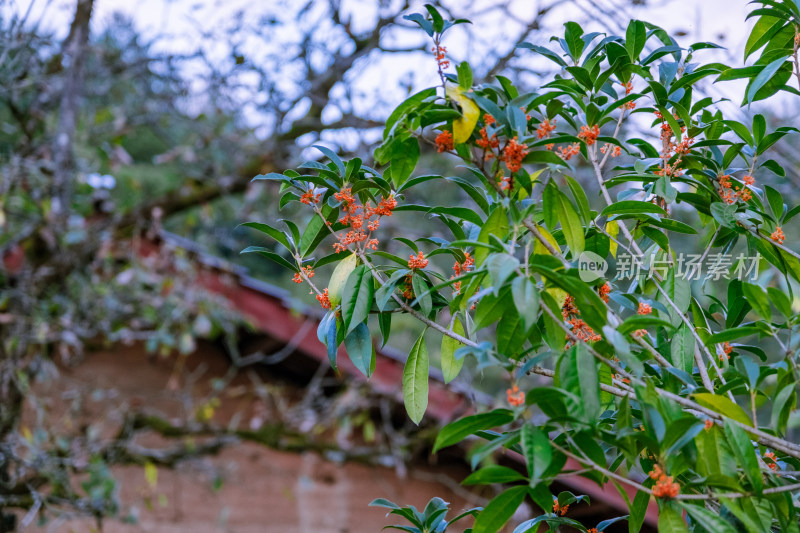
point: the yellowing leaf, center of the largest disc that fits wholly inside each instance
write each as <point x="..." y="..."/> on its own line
<point x="151" y="474"/>
<point x="559" y="295"/>
<point x="339" y="278"/>
<point x="538" y="247"/>
<point x="612" y="228"/>
<point x="462" y="127"/>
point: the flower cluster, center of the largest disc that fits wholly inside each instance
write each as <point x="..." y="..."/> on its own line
<point x="462" y="268"/>
<point x="628" y="89"/>
<point x="644" y="309"/>
<point x="440" y="52"/>
<point x="615" y="150"/>
<point x="773" y="460"/>
<point x="323" y="299"/>
<point x="444" y="141"/>
<point x="515" y="396"/>
<point x="485" y="142"/>
<point x="639" y="333"/>
<point x="567" y="153"/>
<point x="310" y="198"/>
<point x="726" y="350"/>
<point x="580" y="329"/>
<point x="513" y="154"/>
<point x="664" y="487"/>
<point x="558" y="509"/>
<point x="604" y="291"/>
<point x="358" y="216"/>
<point x="778" y="236"/>
<point x="670" y="148"/>
<point x="417" y="262"/>
<point x="589" y="135"/>
<point x="708" y="424"/>
<point x="545" y="128"/>
<point x="730" y="194"/>
<point x="307" y="272"/>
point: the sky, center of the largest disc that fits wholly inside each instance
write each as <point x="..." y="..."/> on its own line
<point x="182" y="23"/>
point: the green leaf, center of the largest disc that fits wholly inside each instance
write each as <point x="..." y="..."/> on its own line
<point x="456" y="431"/>
<point x="415" y="380"/>
<point x="635" y="38"/>
<point x="638" y="509"/>
<point x="357" y="297"/>
<point x="682" y="349"/>
<point x="335" y="159"/>
<point x="580" y="198"/>
<point x="763" y="77"/>
<point x="782" y="406"/>
<point x="775" y="201"/>
<point x="725" y="214"/>
<point x="765" y="28"/>
<point x="732" y="334"/>
<point x="403" y="160"/>
<point x="571" y="225"/>
<point x="500" y="267"/>
<point x="464" y="75"/>
<point x="758" y="300"/>
<point x="526" y="299"/>
<point x="497" y="225"/>
<point x="493" y="474"/>
<point x="714" y="454"/>
<point x="358" y="344"/>
<point x="632" y="207"/>
<point x="745" y="454"/>
<point x="272" y="232"/>
<point x="708" y="520"/>
<point x="498" y="511"/>
<point x="671" y="521"/>
<point x="536" y="449"/>
<point x="450" y="365"/>
<point x="780" y="301"/>
<point x="269" y="254"/>
<point x="316" y="230"/>
<point x="724" y="406"/>
<point x="632" y="323"/>
<point x="422" y="293"/>
<point x="550" y="205"/>
<point x="572" y="37"/>
<point x="436" y="18"/>
<point x="577" y="373"/>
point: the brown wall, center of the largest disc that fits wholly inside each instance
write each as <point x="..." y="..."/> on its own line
<point x="262" y="490"/>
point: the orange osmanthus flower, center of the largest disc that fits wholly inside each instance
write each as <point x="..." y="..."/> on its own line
<point x="444" y="141"/>
<point x="323" y="299"/>
<point x="513" y="154"/>
<point x="557" y="509"/>
<point x="644" y="309"/>
<point x="778" y="236"/>
<point x="309" y="197"/>
<point x="417" y="262"/>
<point x="589" y="135"/>
<point x="569" y="151"/>
<point x="307" y="270"/>
<point x="664" y="487"/>
<point x="773" y="460"/>
<point x="515" y="396"/>
<point x="545" y="128"/>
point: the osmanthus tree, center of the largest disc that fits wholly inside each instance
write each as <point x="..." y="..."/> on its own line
<point x="680" y="390"/>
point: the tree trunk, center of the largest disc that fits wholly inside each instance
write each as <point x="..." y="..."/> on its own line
<point x="74" y="55"/>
